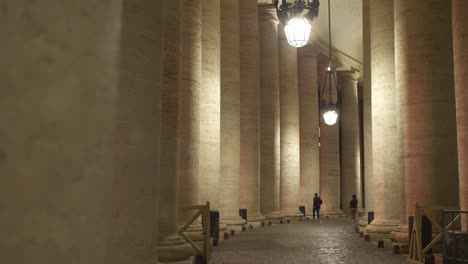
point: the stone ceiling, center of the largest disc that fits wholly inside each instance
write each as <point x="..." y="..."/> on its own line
<point x="346" y="30"/>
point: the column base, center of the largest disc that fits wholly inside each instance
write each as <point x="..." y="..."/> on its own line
<point x="362" y="224"/>
<point x="173" y="249"/>
<point x="274" y="216"/>
<point x="380" y="230"/>
<point x="234" y="224"/>
<point x="400" y="235"/>
<point x="256" y="220"/>
<point x="292" y="214"/>
<point x="332" y="214"/>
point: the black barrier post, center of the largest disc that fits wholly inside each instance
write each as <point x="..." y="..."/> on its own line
<point x="426" y="233"/>
<point x="410" y="227"/>
<point x="370" y="217"/>
<point x="214" y="227"/>
<point x="302" y="210"/>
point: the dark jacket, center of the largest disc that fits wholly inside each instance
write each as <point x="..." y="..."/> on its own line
<point x="353" y="203"/>
<point x="317" y="202"/>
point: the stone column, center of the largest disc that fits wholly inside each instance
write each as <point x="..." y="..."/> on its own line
<point x="424" y="73"/>
<point x="289" y="126"/>
<point x="230" y="115"/>
<point x="309" y="127"/>
<point x="460" y="54"/>
<point x="75" y="187"/>
<point x="385" y="139"/>
<point x="210" y="103"/>
<point x="329" y="157"/>
<point x="250" y="112"/>
<point x="189" y="107"/>
<point x="172" y="247"/>
<point x="269" y="114"/>
<point x="350" y="146"/>
<point x="367" y="112"/>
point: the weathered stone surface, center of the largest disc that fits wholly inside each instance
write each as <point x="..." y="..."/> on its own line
<point x="189" y="107"/>
<point x="250" y="110"/>
<point x="424" y="75"/>
<point x="171" y="246"/>
<point x="385" y="139"/>
<point x="269" y="114"/>
<point x="309" y="127"/>
<point x="230" y="115"/>
<point x="460" y="54"/>
<point x="350" y="140"/>
<point x="210" y="104"/>
<point x="80" y="131"/>
<point x="289" y="126"/>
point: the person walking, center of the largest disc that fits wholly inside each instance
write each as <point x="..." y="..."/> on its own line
<point x="317" y="204"/>
<point x="353" y="208"/>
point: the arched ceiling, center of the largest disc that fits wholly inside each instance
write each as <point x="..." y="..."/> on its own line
<point x="346" y="20"/>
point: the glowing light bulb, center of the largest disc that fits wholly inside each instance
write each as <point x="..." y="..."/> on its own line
<point x="330" y="117"/>
<point x="297" y="31"/>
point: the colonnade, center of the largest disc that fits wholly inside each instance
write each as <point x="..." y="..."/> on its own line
<point x="144" y="107"/>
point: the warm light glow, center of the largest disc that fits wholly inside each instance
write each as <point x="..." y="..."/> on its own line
<point x="297" y="31"/>
<point x="330" y="117"/>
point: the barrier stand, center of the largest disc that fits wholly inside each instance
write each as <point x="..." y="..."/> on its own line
<point x="418" y="251"/>
<point x="204" y="254"/>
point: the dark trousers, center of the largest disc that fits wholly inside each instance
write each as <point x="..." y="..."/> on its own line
<point x="316" y="210"/>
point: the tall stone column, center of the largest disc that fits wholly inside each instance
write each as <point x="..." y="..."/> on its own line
<point x="210" y="103"/>
<point x="230" y="115"/>
<point x="309" y="126"/>
<point x="289" y="126"/>
<point x="250" y="111"/>
<point x="350" y="146"/>
<point x="269" y="114"/>
<point x="424" y="73"/>
<point x="367" y="115"/>
<point x="88" y="192"/>
<point x="329" y="157"/>
<point x="189" y="107"/>
<point x="385" y="139"/>
<point x="171" y="247"/>
<point x="460" y="54"/>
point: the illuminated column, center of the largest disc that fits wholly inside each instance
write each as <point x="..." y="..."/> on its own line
<point x="210" y="104"/>
<point x="230" y="116"/>
<point x="269" y="114"/>
<point x="309" y="126"/>
<point x="289" y="126"/>
<point x="329" y="157"/>
<point x="385" y="139"/>
<point x="350" y="147"/>
<point x="189" y="107"/>
<point x="68" y="163"/>
<point x="367" y="116"/>
<point x="172" y="247"/>
<point x="460" y="53"/>
<point x="250" y="111"/>
<point x="424" y="74"/>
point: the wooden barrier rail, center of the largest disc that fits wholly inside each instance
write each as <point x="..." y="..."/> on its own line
<point x="204" y="212"/>
<point x="417" y="252"/>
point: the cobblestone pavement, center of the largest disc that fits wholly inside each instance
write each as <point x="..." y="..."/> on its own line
<point x="332" y="241"/>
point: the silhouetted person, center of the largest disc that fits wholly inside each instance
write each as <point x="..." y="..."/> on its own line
<point x="317" y="204"/>
<point x="353" y="208"/>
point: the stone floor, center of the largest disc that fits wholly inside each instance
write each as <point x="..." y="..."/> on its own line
<point x="331" y="241"/>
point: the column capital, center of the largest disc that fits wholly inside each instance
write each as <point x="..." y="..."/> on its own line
<point x="349" y="75"/>
<point x="268" y="13"/>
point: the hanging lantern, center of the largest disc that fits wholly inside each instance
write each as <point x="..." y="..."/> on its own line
<point x="297" y="19"/>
